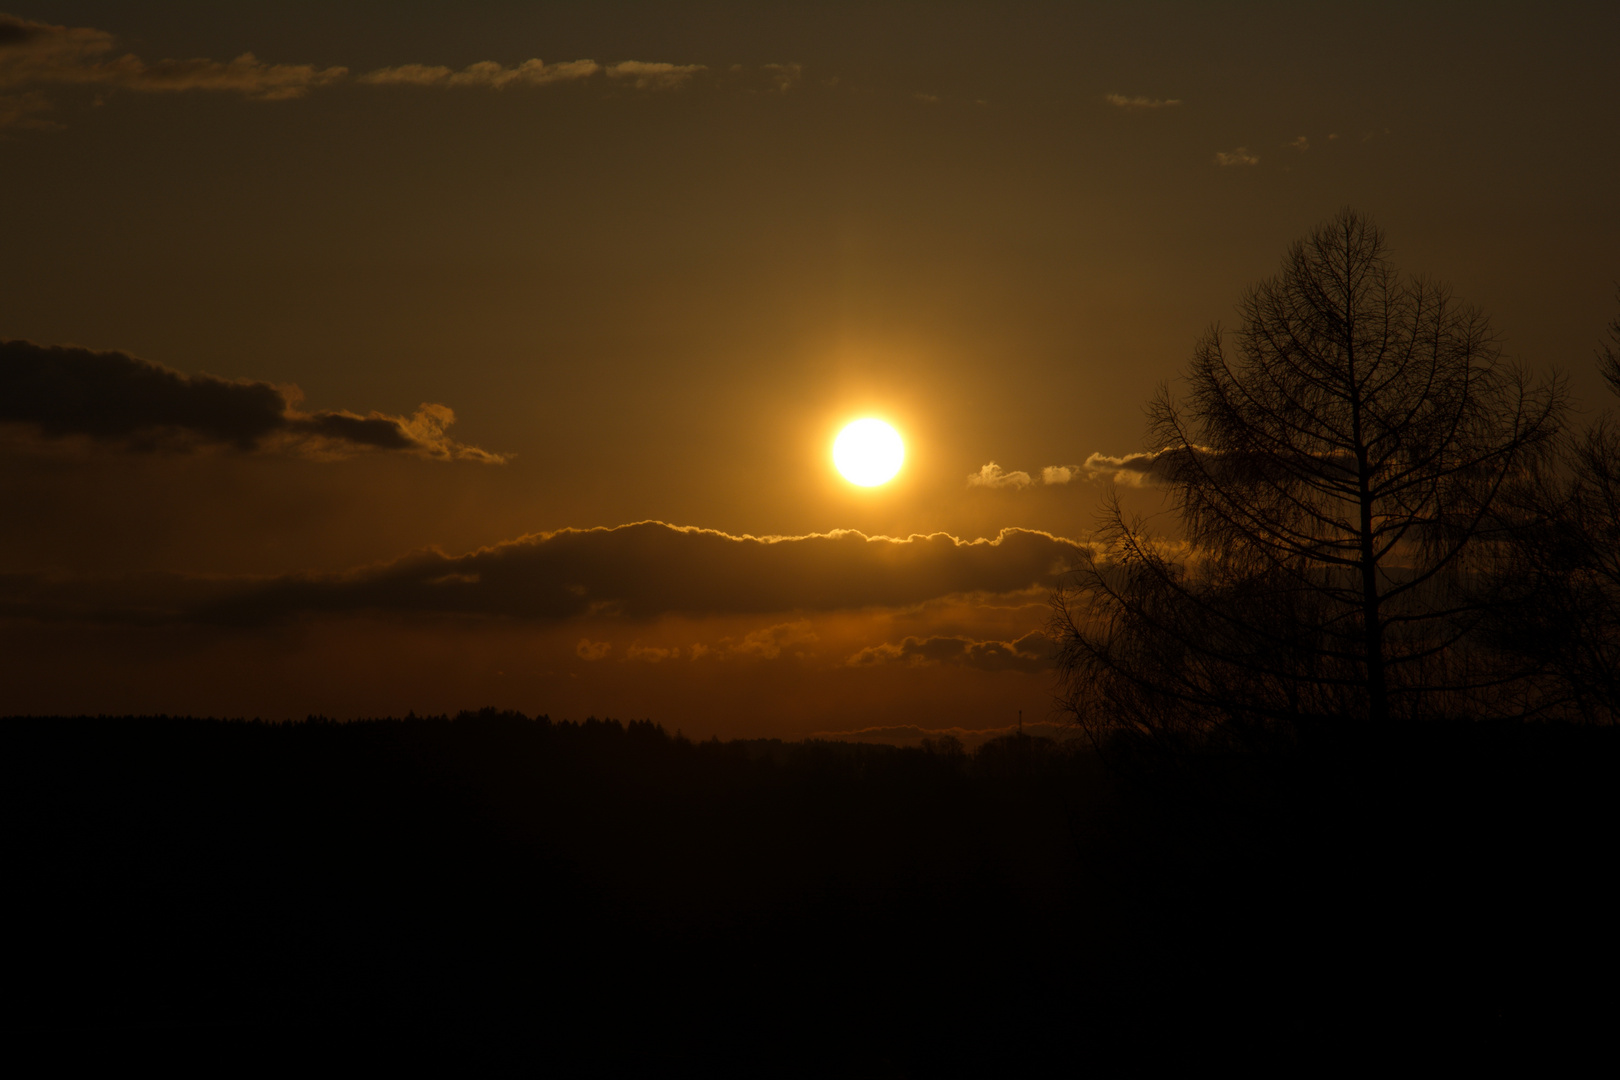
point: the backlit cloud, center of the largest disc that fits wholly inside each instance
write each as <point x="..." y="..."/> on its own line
<point x="1133" y="469"/>
<point x="1058" y="474"/>
<point x="1240" y="156"/>
<point x="651" y="568"/>
<point x="114" y="398"/>
<point x="1123" y="101"/>
<point x="1032" y="652"/>
<point x="654" y="76"/>
<point x="994" y="476"/>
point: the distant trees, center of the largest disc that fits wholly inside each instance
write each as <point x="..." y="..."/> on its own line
<point x="1336" y="466"/>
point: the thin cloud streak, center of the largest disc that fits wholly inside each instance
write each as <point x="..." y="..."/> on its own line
<point x="486" y="74"/>
<point x="1122" y="101"/>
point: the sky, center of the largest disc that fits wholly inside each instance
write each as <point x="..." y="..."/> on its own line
<point x="361" y="358"/>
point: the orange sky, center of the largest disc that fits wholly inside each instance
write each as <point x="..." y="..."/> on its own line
<point x="450" y="292"/>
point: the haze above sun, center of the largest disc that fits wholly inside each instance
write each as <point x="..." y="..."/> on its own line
<point x="868" y="452"/>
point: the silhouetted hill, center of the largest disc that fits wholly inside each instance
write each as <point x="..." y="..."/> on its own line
<point x="797" y="905"/>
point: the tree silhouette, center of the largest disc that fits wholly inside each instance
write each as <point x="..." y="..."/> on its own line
<point x="1565" y="573"/>
<point x="1334" y="466"/>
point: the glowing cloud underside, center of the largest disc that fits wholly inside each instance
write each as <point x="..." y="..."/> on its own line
<point x="868" y="452"/>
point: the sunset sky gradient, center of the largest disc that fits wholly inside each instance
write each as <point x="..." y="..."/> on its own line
<point x="370" y="357"/>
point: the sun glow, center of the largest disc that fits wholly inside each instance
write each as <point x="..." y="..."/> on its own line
<point x="868" y="452"/>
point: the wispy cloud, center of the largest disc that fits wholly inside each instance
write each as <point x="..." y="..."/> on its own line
<point x="994" y="476"/>
<point x="34" y="55"/>
<point x="114" y="398"/>
<point x="653" y="76"/>
<point x="1124" y="101"/>
<point x="1301" y="143"/>
<point x="23" y="111"/>
<point x="1240" y="156"/>
<point x="1032" y="652"/>
<point x="785" y="76"/>
<point x="591" y="651"/>
<point x="486" y="74"/>
<point x="1136" y="470"/>
<point x="769" y="642"/>
<point x="38" y="54"/>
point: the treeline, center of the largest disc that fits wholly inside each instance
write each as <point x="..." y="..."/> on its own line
<point x="795" y="905"/>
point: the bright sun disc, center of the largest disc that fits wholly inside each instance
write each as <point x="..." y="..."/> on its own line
<point x="868" y="452"/>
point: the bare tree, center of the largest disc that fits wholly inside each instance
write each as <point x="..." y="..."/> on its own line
<point x="1564" y="578"/>
<point x="1334" y="466"/>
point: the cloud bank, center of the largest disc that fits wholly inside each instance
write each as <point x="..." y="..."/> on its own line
<point x="114" y="398"/>
<point x="651" y="568"/>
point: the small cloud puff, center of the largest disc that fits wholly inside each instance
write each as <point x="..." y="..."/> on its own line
<point x="1139" y="102"/>
<point x="1301" y="143"/>
<point x="589" y="650"/>
<point x="993" y="476"/>
<point x="785" y="76"/>
<point x="767" y="644"/>
<point x="650" y="654"/>
<point x="1240" y="156"/>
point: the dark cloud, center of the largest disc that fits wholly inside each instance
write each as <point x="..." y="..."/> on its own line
<point x="1032" y="652"/>
<point x="651" y="568"/>
<point x="112" y="397"/>
<point x="1137" y="469"/>
<point x="1164" y="466"/>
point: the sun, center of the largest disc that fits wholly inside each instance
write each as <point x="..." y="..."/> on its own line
<point x="868" y="452"/>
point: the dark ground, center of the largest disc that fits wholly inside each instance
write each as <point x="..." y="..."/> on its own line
<point x="596" y="897"/>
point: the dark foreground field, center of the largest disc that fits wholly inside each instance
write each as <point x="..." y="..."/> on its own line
<point x="596" y="897"/>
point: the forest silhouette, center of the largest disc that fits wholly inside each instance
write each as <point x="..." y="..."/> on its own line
<point x="1342" y="778"/>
